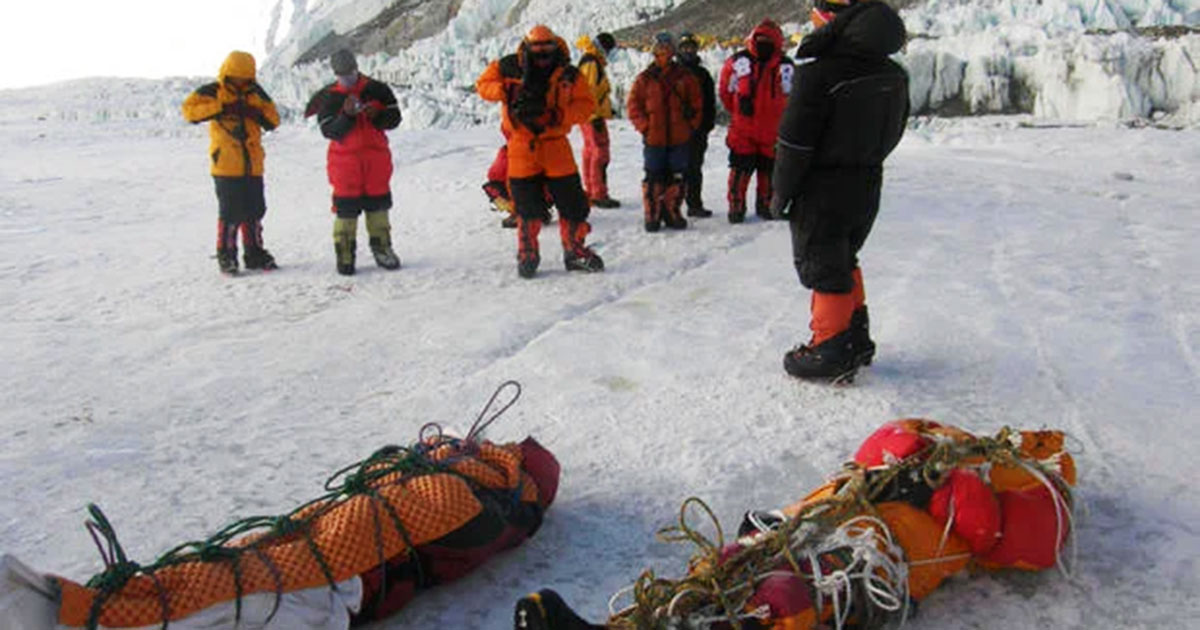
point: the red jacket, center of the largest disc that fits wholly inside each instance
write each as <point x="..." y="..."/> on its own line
<point x="359" y="161"/>
<point x="755" y="92"/>
<point x="665" y="105"/>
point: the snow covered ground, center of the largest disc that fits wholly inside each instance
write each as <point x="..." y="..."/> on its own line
<point x="1034" y="277"/>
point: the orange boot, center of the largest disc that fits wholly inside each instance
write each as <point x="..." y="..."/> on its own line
<point x="576" y="255"/>
<point x="831" y="353"/>
<point x="528" y="257"/>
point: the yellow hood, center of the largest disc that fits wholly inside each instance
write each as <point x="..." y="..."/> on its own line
<point x="588" y="47"/>
<point x="238" y="65"/>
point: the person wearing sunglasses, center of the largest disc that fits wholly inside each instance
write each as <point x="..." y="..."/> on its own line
<point x="542" y="97"/>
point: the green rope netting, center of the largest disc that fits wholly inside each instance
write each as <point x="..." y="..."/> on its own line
<point x="361" y="478"/>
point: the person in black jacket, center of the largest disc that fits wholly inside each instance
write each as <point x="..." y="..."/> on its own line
<point x="845" y="116"/>
<point x="354" y="112"/>
<point x="693" y="178"/>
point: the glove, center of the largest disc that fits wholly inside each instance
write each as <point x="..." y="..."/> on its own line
<point x="529" y="110"/>
<point x="598" y="125"/>
<point x="239" y="108"/>
<point x="780" y="207"/>
<point x="370" y="108"/>
<point x="351" y="106"/>
<point x="746" y="105"/>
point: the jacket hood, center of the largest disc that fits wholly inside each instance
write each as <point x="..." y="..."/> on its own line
<point x="769" y="28"/>
<point x="589" y="47"/>
<point x="563" y="51"/>
<point x="867" y="29"/>
<point x="238" y="65"/>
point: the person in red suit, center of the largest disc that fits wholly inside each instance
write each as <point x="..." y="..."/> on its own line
<point x="354" y="112"/>
<point x="754" y="87"/>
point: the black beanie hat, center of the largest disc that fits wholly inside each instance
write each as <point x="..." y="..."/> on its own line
<point x="342" y="63"/>
<point x="606" y="41"/>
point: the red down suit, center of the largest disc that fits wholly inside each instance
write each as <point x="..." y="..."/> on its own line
<point x="754" y="90"/>
<point x="359" y="162"/>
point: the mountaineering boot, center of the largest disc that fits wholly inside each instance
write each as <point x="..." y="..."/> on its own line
<point x="833" y="359"/>
<point x="576" y="255"/>
<point x="528" y="257"/>
<point x="860" y="327"/>
<point x="739" y="184"/>
<point x="699" y="212"/>
<point x="510" y="221"/>
<point x="255" y="256"/>
<point x="546" y="610"/>
<point x="672" y="203"/>
<point x="345" y="230"/>
<point x="764" y="190"/>
<point x="650" y="193"/>
<point x="259" y="258"/>
<point x="379" y="232"/>
<point x="227" y="261"/>
<point x="384" y="255"/>
<point x="227" y="246"/>
<point x="606" y="202"/>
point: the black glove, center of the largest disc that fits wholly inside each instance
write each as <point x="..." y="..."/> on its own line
<point x="781" y="207"/>
<point x="598" y="125"/>
<point x="791" y="169"/>
<point x="746" y="105"/>
<point x="239" y="108"/>
<point x="530" y="109"/>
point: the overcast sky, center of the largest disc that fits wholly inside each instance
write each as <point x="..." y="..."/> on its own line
<point x="43" y="41"/>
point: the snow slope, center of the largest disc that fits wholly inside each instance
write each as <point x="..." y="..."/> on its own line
<point x="1018" y="275"/>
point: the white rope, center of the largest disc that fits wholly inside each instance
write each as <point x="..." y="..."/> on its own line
<point x="1060" y="508"/>
<point x="876" y="564"/>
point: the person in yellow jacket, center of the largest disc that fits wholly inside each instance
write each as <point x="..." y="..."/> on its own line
<point x="237" y="110"/>
<point x="595" y="132"/>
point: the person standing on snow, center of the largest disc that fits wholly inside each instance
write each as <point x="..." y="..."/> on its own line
<point x="665" y="107"/>
<point x="847" y="114"/>
<point x="542" y="97"/>
<point x="693" y="178"/>
<point x="754" y="88"/>
<point x="238" y="110"/>
<point x="354" y="112"/>
<point x="595" y="132"/>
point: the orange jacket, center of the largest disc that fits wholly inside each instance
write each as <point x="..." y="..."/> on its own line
<point x="665" y="105"/>
<point x="237" y="117"/>
<point x="569" y="101"/>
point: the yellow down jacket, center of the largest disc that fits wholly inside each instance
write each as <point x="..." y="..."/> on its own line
<point x="237" y="116"/>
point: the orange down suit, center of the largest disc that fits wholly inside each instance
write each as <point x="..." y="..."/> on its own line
<point x="547" y="153"/>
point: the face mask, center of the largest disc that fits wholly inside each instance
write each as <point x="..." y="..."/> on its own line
<point x="347" y="80"/>
<point x="763" y="49"/>
<point x="689" y="57"/>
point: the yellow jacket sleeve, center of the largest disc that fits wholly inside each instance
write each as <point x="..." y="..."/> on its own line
<point x="203" y="104"/>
